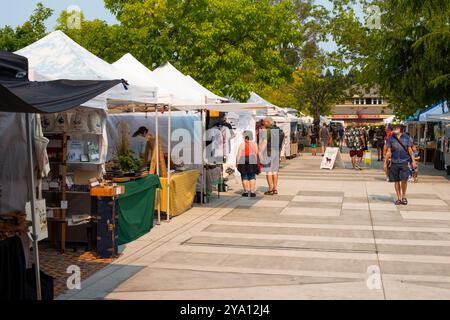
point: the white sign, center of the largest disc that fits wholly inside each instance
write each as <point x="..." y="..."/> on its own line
<point x="40" y="218"/>
<point x="331" y="157"/>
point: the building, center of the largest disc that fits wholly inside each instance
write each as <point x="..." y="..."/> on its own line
<point x="367" y="108"/>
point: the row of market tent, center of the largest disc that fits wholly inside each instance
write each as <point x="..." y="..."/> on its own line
<point x="126" y="85"/>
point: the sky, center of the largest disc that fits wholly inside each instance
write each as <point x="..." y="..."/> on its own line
<point x="16" y="12"/>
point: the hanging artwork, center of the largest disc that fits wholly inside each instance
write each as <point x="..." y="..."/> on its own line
<point x="79" y="122"/>
<point x="61" y="122"/>
<point x="48" y="122"/>
<point x="95" y="122"/>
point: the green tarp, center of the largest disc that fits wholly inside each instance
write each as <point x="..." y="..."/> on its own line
<point x="136" y="208"/>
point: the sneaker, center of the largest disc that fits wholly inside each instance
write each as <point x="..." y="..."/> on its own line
<point x="252" y="195"/>
<point x="245" y="194"/>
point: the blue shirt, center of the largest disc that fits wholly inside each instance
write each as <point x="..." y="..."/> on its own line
<point x="399" y="154"/>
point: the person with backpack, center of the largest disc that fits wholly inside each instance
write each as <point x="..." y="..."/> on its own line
<point x="399" y="157"/>
<point x="270" y="145"/>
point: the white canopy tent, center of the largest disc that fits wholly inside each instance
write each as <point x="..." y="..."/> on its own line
<point x="211" y="96"/>
<point x="271" y="109"/>
<point x="443" y="117"/>
<point x="134" y="69"/>
<point x="57" y="56"/>
<point x="183" y="92"/>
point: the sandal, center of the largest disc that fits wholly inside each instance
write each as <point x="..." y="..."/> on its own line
<point x="275" y="191"/>
<point x="268" y="193"/>
<point x="404" y="201"/>
<point x="398" y="202"/>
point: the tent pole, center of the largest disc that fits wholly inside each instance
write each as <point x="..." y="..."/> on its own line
<point x="157" y="161"/>
<point x="32" y="191"/>
<point x="203" y="158"/>
<point x="169" y="156"/>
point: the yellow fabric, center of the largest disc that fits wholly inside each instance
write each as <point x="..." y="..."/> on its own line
<point x="183" y="187"/>
<point x="368" y="158"/>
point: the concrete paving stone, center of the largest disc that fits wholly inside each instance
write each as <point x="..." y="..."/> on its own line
<point x="413" y="250"/>
<point x="341" y="291"/>
<point x="355" y="199"/>
<point x="271" y="204"/>
<point x="424" y="215"/>
<point x="158" y="279"/>
<point x="318" y="199"/>
<point x="383" y="206"/>
<point x="321" y="193"/>
<point x="294" y="231"/>
<point x="405" y="290"/>
<point x="283" y="244"/>
<point x="275" y="262"/>
<point x="355" y="206"/>
<point x="302" y="211"/>
<point x="420" y="195"/>
<point x="315" y="205"/>
<point x="412" y="235"/>
<point x="427" y="202"/>
<point x="416" y="268"/>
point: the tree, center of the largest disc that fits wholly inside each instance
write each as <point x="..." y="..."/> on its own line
<point x="317" y="90"/>
<point x="32" y="30"/>
<point x="230" y="46"/>
<point x="408" y="54"/>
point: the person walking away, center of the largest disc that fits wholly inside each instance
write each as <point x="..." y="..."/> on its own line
<point x="247" y="160"/>
<point x="325" y="137"/>
<point x="399" y="154"/>
<point x="271" y="142"/>
<point x="354" y="141"/>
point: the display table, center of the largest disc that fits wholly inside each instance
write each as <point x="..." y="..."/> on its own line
<point x="424" y="150"/>
<point x="182" y="191"/>
<point x="136" y="208"/>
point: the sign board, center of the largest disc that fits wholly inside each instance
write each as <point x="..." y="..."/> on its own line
<point x="331" y="158"/>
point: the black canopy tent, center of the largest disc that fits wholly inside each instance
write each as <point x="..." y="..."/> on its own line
<point x="20" y="95"/>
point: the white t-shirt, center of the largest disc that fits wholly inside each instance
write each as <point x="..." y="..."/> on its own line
<point x="138" y="144"/>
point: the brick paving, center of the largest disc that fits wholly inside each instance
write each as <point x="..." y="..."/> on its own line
<point x="55" y="264"/>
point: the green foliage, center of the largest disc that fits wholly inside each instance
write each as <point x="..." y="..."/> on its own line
<point x="409" y="56"/>
<point x="128" y="163"/>
<point x="103" y="40"/>
<point x="32" y="30"/>
<point x="230" y="46"/>
<point x="317" y="90"/>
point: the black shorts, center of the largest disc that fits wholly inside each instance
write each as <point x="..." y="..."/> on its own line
<point x="399" y="172"/>
<point x="356" y="153"/>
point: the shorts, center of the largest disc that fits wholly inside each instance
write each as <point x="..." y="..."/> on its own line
<point x="399" y="172"/>
<point x="248" y="176"/>
<point x="271" y="165"/>
<point x="356" y="153"/>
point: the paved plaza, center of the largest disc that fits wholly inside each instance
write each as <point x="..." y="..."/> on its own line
<point x="327" y="235"/>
